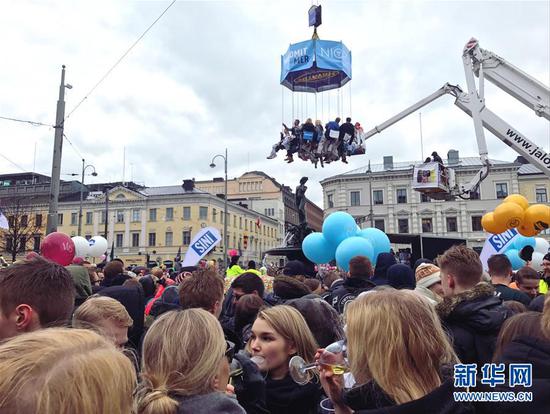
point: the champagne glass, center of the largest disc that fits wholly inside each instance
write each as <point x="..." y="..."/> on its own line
<point x="236" y="368"/>
<point x="333" y="358"/>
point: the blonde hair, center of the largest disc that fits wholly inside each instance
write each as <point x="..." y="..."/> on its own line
<point x="181" y="355"/>
<point x="157" y="272"/>
<point x="100" y="308"/>
<point x="395" y="338"/>
<point x="291" y="325"/>
<point x="64" y="371"/>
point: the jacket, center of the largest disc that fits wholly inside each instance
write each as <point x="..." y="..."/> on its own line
<point x="347" y="128"/>
<point x="81" y="281"/>
<point x="284" y="396"/>
<point x="473" y="320"/>
<point x="214" y="402"/>
<point x="348" y="291"/>
<point x="506" y="293"/>
<point x="327" y="296"/>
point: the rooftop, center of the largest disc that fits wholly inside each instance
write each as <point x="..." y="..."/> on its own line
<point x="168" y="190"/>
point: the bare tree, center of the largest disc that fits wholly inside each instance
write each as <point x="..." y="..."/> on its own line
<point x="25" y="222"/>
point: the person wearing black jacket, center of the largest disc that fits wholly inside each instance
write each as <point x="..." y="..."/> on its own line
<point x="346" y="128"/>
<point x="360" y="270"/>
<point x="500" y="269"/>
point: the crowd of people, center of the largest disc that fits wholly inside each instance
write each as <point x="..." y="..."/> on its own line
<point x="318" y="144"/>
<point x="206" y="340"/>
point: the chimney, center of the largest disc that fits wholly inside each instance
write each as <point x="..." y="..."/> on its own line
<point x="188" y="185"/>
<point x="388" y="162"/>
<point x="452" y="157"/>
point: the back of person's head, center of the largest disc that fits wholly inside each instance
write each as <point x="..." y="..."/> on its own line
<point x="523" y="324"/>
<point x="251" y="264"/>
<point x="330" y="278"/>
<point x="181" y="355"/>
<point x="406" y="363"/>
<point x="294" y="268"/>
<point x="517" y="307"/>
<point x="401" y="276"/>
<point x="383" y="262"/>
<point x="34" y="294"/>
<point x="234" y="260"/>
<point x="249" y="282"/>
<point x="286" y="287"/>
<point x="157" y="272"/>
<point x="64" y="371"/>
<point x="246" y="309"/>
<point x="312" y="284"/>
<point x="360" y="267"/>
<point x="337" y="119"/>
<point x="526" y="272"/>
<point x="204" y="289"/>
<point x="420" y="261"/>
<point x="499" y="265"/>
<point x="113" y="269"/>
<point x="463" y="264"/>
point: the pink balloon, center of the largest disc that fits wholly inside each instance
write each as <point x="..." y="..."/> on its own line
<point x="58" y="247"/>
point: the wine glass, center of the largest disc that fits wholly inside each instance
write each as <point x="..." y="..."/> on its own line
<point x="333" y="358"/>
<point x="236" y="368"/>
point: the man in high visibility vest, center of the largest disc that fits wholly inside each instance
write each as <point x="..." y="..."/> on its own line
<point x="545" y="275"/>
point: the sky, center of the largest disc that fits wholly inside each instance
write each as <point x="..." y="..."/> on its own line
<point x="206" y="78"/>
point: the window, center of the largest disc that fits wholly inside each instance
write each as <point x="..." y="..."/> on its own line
<point x="102" y="218"/>
<point x="187" y="213"/>
<point x="452" y="225"/>
<point x="186" y="238"/>
<point x="203" y="213"/>
<point x="474" y="195"/>
<point x="502" y="190"/>
<point x="74" y="217"/>
<point x="152" y="214"/>
<point x="119" y="239"/>
<point x="152" y="239"/>
<point x="379" y="224"/>
<point x="401" y="196"/>
<point x="476" y="223"/>
<point x="234" y="221"/>
<point x="403" y="225"/>
<point x="245" y="224"/>
<point x="38" y="220"/>
<point x="36" y="240"/>
<point x="378" y="196"/>
<point x="424" y="198"/>
<point x="214" y="213"/>
<point x="240" y="222"/>
<point x="136" y="214"/>
<point x="169" y="214"/>
<point x="60" y="219"/>
<point x="427" y="225"/>
<point x="135" y="239"/>
<point x="168" y="238"/>
<point x="89" y="217"/>
<point x="355" y="198"/>
<point x="330" y="200"/>
<point x="541" y="195"/>
<point x="120" y="216"/>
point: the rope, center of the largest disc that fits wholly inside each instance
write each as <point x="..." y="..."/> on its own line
<point x="282" y="104"/>
<point x="350" y="108"/>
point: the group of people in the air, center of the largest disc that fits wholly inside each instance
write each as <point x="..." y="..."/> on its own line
<point x="313" y="142"/>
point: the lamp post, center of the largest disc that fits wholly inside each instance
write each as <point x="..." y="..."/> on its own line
<point x="107" y="188"/>
<point x="225" y="238"/>
<point x="371" y="214"/>
<point x="84" y="168"/>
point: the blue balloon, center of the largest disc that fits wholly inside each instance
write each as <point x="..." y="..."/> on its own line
<point x="317" y="249"/>
<point x="513" y="255"/>
<point x="351" y="247"/>
<point x="339" y="226"/>
<point x="379" y="240"/>
<point x="521" y="241"/>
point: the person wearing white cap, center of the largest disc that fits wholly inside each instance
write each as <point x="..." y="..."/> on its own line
<point x="428" y="282"/>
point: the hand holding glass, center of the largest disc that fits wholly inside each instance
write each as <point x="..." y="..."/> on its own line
<point x="333" y="357"/>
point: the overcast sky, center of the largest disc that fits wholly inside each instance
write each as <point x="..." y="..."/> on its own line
<point x="206" y="77"/>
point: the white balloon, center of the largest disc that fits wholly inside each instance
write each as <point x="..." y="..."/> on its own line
<point x="536" y="261"/>
<point x="541" y="245"/>
<point x="98" y="246"/>
<point x="81" y="246"/>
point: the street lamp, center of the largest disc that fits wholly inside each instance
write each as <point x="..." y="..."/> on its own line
<point x="107" y="188"/>
<point x="94" y="174"/>
<point x="226" y="239"/>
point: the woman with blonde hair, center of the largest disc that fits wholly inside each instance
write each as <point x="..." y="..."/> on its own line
<point x="399" y="356"/>
<point x="64" y="371"/>
<point x="278" y="334"/>
<point x="184" y="366"/>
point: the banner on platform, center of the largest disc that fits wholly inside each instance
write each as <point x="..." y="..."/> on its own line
<point x="496" y="244"/>
<point x="201" y="245"/>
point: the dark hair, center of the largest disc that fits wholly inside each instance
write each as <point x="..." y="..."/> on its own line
<point x="246" y="309"/>
<point x="526" y="272"/>
<point x="516" y="306"/>
<point x="348" y="119"/>
<point x="118" y="259"/>
<point x="337" y="119"/>
<point x="249" y="282"/>
<point x="234" y="260"/>
<point x="499" y="265"/>
<point x="202" y="290"/>
<point x="546" y="257"/>
<point x="252" y="264"/>
<point x="330" y="278"/>
<point x="44" y="285"/>
<point x="522" y="324"/>
<point x="313" y="284"/>
<point x="463" y="263"/>
<point x="360" y="267"/>
<point x="113" y="269"/>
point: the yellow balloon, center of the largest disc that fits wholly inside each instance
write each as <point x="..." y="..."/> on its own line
<point x="526" y="231"/>
<point x="537" y="217"/>
<point x="517" y="199"/>
<point x="509" y="215"/>
<point x="489" y="225"/>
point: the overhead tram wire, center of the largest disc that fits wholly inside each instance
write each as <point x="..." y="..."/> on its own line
<point x="118" y="61"/>
<point x="33" y="123"/>
<point x="74" y="147"/>
<point x="12" y="162"/>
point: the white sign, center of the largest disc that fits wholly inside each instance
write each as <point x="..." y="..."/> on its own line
<point x="202" y="243"/>
<point x="496" y="244"/>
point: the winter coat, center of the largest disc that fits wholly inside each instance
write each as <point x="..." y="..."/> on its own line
<point x="168" y="301"/>
<point x="507" y="293"/>
<point x="327" y="296"/>
<point x="473" y="320"/>
<point x="432" y="297"/>
<point x="214" y="402"/>
<point x="347" y="128"/>
<point x="383" y="262"/>
<point x="284" y="396"/>
<point x="81" y="281"/>
<point x="348" y="291"/>
<point x="117" y="280"/>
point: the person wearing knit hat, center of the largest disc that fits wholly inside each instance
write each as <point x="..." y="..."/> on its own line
<point x="428" y="282"/>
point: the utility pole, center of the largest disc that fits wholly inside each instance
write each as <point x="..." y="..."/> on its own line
<point x="56" y="163"/>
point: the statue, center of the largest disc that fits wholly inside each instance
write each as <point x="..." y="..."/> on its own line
<point x="301" y="200"/>
<point x="296" y="234"/>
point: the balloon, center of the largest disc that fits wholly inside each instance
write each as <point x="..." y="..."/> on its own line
<point x="536" y="261"/>
<point x="489" y="225"/>
<point x="31" y="255"/>
<point x="339" y="226"/>
<point x="509" y="215"/>
<point x="351" y="247"/>
<point x="527" y="231"/>
<point x="521" y="241"/>
<point x="541" y="245"/>
<point x="317" y="249"/>
<point x="516" y="261"/>
<point x="517" y="199"/>
<point x="537" y="217"/>
<point x="81" y="246"/>
<point x="58" y="247"/>
<point x="98" y="246"/>
<point x="379" y="240"/>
